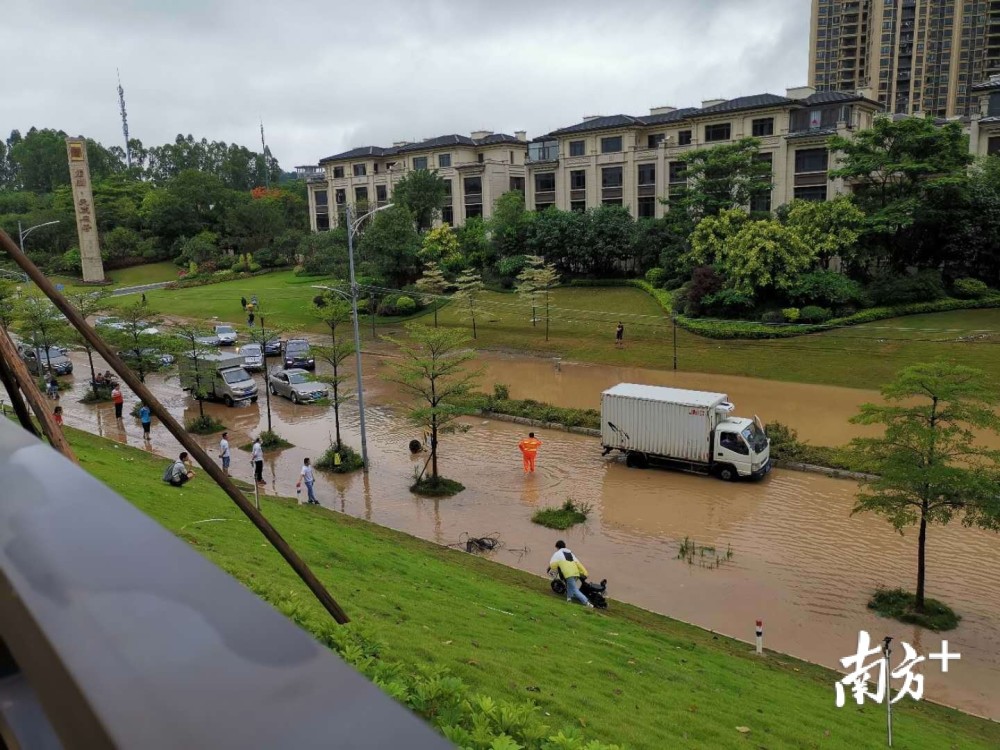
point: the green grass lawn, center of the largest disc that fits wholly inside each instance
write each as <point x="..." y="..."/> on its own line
<point x="583" y="320"/>
<point x="625" y="676"/>
<point x="149" y="273"/>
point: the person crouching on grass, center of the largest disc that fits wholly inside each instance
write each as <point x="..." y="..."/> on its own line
<point x="179" y="471"/>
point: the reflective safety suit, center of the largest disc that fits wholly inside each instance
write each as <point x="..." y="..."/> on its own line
<point x="529" y="451"/>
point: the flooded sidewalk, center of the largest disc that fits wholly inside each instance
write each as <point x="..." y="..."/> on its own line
<point x="799" y="560"/>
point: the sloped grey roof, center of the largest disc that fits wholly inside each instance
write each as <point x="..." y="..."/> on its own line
<point x="599" y="123"/>
<point x="757" y="101"/>
<point x="831" y="97"/>
<point x="356" y="153"/>
<point x="993" y="82"/>
<point x="438" y="142"/>
<point x="495" y="138"/>
<point x="677" y="114"/>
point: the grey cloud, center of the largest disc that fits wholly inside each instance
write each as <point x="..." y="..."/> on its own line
<point x="328" y="76"/>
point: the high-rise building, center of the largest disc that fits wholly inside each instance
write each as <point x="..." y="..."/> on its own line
<point x="914" y="56"/>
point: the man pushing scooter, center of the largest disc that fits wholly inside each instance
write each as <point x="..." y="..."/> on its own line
<point x="570" y="570"/>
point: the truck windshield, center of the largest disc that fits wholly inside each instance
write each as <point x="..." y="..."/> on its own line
<point x="236" y="375"/>
<point x="755" y="437"/>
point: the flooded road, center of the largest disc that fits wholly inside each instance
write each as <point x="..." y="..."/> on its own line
<point x="799" y="560"/>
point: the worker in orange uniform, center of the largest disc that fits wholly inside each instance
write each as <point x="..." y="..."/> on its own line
<point x="529" y="451"/>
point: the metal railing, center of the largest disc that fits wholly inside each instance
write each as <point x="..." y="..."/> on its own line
<point x="114" y="633"/>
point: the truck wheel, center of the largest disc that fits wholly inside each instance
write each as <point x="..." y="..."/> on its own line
<point x="228" y="400"/>
<point x="728" y="474"/>
<point x="636" y="460"/>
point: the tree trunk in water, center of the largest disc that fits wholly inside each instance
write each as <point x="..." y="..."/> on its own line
<point x="921" y="554"/>
<point x="434" y="448"/>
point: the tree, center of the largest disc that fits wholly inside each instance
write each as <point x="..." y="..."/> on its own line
<point x="391" y="246"/>
<point x="139" y="342"/>
<point x="88" y="304"/>
<point x="723" y="177"/>
<point x="895" y="167"/>
<point x="8" y="303"/>
<point x="509" y="225"/>
<point x="433" y="370"/>
<point x="191" y="336"/>
<point x="43" y="325"/>
<point x="831" y="228"/>
<point x="536" y="281"/>
<point x="468" y="287"/>
<point x="422" y="193"/>
<point x="440" y="245"/>
<point x="335" y="314"/>
<point x="261" y="334"/>
<point x="608" y="242"/>
<point x="928" y="465"/>
<point x="972" y="248"/>
<point x="434" y="282"/>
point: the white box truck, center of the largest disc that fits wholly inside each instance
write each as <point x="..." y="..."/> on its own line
<point x="220" y="376"/>
<point x="690" y="430"/>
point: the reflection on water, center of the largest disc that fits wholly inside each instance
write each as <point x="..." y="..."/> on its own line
<point x="801" y="562"/>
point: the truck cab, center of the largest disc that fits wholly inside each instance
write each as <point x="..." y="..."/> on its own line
<point x="740" y="448"/>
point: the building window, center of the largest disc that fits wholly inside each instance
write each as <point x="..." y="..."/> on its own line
<point x="545" y="182"/>
<point x="761" y="202"/>
<point x="677" y="178"/>
<point x="473" y="187"/>
<point x="762" y="127"/>
<point x="543" y="151"/>
<point x="340" y="195"/>
<point x="993" y="146"/>
<point x="578" y="179"/>
<point x="359" y="170"/>
<point x="647" y="208"/>
<point x="338" y="173"/>
<point x="811" y="193"/>
<point x="611" y="144"/>
<point x="612" y="201"/>
<point x="647" y="174"/>
<point x="576" y="148"/>
<point x="611" y="177"/>
<point x="444" y="160"/>
<point x="718" y="132"/>
<point x="810" y="160"/>
<point x="447" y="214"/>
<point x="380" y="193"/>
<point x="473" y="210"/>
<point x="320" y="197"/>
<point x="517" y="183"/>
<point x="578" y="206"/>
<point x="420" y="162"/>
<point x="322" y="222"/>
<point x="360" y="195"/>
<point x="655" y="139"/>
<point x="481" y="158"/>
<point x="511" y="159"/>
<point x="684" y="138"/>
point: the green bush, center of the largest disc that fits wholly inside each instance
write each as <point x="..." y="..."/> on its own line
<point x="405" y="306"/>
<point x="511" y="266"/>
<point x="727" y="303"/>
<point x="656" y="276"/>
<point x="969" y="288"/>
<point x="204" y="425"/>
<point x="501" y="392"/>
<point x="791" y="314"/>
<point x="825" y="289"/>
<point x="814" y="314"/>
<point x="773" y="317"/>
<point x="925" y="286"/>
<point x="349" y="460"/>
<point x="562" y="517"/>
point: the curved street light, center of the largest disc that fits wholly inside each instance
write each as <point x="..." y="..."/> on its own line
<point x="22" y="233"/>
<point x="352" y="297"/>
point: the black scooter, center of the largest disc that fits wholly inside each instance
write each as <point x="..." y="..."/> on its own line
<point x="593" y="592"/>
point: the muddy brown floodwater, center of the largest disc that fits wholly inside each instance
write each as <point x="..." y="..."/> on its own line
<point x="799" y="560"/>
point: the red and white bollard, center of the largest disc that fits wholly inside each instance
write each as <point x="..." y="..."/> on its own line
<point x="760" y="637"/>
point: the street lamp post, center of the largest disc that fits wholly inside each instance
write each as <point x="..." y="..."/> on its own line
<point x="352" y="227"/>
<point x="22" y="233"/>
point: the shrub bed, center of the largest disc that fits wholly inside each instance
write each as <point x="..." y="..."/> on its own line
<point x="440" y="487"/>
<point x="217" y="278"/>
<point x="529" y="409"/>
<point x="349" y="460"/>
<point x="269" y="441"/>
<point x="786" y="446"/>
<point x="562" y="516"/>
<point x="205" y="425"/>
<point x="901" y="605"/>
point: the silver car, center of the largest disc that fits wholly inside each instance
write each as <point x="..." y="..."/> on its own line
<point x="226" y="334"/>
<point x="296" y="385"/>
<point x="253" y="357"/>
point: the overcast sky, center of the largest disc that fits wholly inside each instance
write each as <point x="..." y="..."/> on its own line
<point x="329" y="75"/>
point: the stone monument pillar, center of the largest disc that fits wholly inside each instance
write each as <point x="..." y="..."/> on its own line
<point x="83" y="202"/>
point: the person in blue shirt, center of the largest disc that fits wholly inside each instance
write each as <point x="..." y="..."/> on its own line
<point x="146" y="417"/>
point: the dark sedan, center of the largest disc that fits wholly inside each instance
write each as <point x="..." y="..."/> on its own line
<point x="296" y="353"/>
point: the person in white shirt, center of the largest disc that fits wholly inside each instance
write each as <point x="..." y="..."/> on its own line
<point x="307" y="476"/>
<point x="257" y="457"/>
<point x="224" y="452"/>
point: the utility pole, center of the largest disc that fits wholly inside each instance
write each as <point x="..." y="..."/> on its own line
<point x="121" y="105"/>
<point x="267" y="384"/>
<point x="675" y="341"/>
<point x="263" y="148"/>
<point x="357" y="339"/>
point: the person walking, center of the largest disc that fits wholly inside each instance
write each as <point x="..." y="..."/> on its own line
<point x="565" y="564"/>
<point x="119" y="401"/>
<point x="224" y="452"/>
<point x="146" y="417"/>
<point x="257" y="457"/>
<point x="529" y="452"/>
<point x="306" y="475"/>
<point x="143" y="299"/>
<point x="620" y="336"/>
<point x="52" y="387"/>
<point x="57" y="415"/>
<point x="243" y="303"/>
<point x="250" y="319"/>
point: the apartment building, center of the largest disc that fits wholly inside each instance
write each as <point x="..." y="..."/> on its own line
<point x="984" y="127"/>
<point x="916" y="56"/>
<point x="477" y="170"/>
<point x="634" y="161"/>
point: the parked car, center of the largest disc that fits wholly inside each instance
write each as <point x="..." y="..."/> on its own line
<point x="160" y="359"/>
<point x="296" y="353"/>
<point x="39" y="360"/>
<point x="212" y="340"/>
<point x="295" y="384"/>
<point x="253" y="357"/>
<point x="272" y="348"/>
<point x="226" y="334"/>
